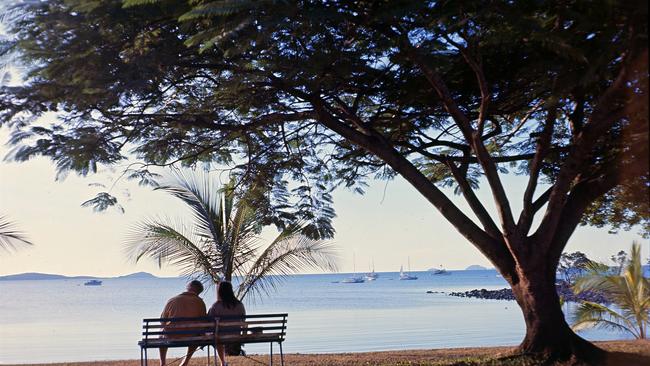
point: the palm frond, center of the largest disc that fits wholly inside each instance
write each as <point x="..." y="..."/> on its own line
<point x="629" y="291"/>
<point x="290" y="253"/>
<point x="203" y="199"/>
<point x="221" y="239"/>
<point x="171" y="244"/>
<point x="10" y="238"/>
<point x="590" y="314"/>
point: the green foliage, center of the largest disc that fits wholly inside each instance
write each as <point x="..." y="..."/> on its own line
<point x="628" y="291"/>
<point x="220" y="241"/>
<point x="102" y="201"/>
<point x="621" y="259"/>
<point x="10" y="238"/>
<point x="295" y="99"/>
<point x="130" y="3"/>
<point x="245" y="84"/>
<point x="572" y="264"/>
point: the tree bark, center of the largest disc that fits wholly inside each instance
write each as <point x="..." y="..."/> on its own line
<point x="547" y="333"/>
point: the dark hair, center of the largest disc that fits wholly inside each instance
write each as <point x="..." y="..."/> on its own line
<point x="226" y="295"/>
<point x="196" y="286"/>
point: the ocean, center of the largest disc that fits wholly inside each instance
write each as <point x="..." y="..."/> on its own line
<point x="63" y="320"/>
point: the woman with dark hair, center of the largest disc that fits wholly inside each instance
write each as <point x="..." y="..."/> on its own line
<point x="227" y="305"/>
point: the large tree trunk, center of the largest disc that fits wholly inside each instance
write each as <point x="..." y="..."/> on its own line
<point x="547" y="332"/>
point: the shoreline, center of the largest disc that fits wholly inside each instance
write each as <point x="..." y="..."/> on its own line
<point x="563" y="289"/>
<point x="631" y="352"/>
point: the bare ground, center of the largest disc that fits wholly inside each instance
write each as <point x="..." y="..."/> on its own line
<point x="620" y="353"/>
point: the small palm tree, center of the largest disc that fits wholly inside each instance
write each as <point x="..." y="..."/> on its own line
<point x="222" y="240"/>
<point x="629" y="293"/>
<point x="10" y="238"/>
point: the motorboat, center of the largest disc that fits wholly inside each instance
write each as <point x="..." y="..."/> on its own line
<point x="353" y="279"/>
<point x="93" y="283"/>
<point x="441" y="271"/>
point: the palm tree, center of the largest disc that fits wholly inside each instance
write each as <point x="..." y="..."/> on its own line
<point x="629" y="293"/>
<point x="221" y="241"/>
<point x="10" y="238"/>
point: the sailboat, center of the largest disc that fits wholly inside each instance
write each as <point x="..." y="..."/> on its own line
<point x="405" y="275"/>
<point x="354" y="278"/>
<point x="371" y="276"/>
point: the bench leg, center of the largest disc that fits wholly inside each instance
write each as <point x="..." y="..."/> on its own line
<point x="208" y="355"/>
<point x="141" y="357"/>
<point x="145" y="358"/>
<point x="271" y="364"/>
<point x="281" y="355"/>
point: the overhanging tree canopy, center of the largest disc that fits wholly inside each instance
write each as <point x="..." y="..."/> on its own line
<point x="329" y="93"/>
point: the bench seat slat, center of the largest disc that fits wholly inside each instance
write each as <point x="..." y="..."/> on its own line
<point x="249" y="338"/>
<point x="209" y="338"/>
<point x="251" y="316"/>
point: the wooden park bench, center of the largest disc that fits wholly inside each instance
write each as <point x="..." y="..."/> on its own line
<point x="208" y="332"/>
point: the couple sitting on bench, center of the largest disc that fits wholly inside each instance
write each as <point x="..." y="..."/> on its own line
<point x="189" y="305"/>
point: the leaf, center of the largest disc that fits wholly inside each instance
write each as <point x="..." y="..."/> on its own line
<point x="131" y="3"/>
<point x="10" y="238"/>
<point x="102" y="202"/>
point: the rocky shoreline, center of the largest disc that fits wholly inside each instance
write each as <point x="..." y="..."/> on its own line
<point x="563" y="290"/>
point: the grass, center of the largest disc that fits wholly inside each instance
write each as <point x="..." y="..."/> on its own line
<point x="620" y="353"/>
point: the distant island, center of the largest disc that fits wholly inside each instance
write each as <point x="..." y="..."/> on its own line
<point x="476" y="267"/>
<point x="33" y="276"/>
<point x="138" y="275"/>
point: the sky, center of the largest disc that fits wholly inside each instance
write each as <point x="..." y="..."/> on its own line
<point x="391" y="225"/>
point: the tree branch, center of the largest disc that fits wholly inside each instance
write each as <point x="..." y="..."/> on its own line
<point x="495" y="250"/>
<point x="475" y="204"/>
<point x="475" y="65"/>
<point x="543" y="143"/>
<point x="609" y="109"/>
<point x="471" y="136"/>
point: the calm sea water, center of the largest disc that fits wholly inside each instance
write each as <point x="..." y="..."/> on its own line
<point x="62" y="320"/>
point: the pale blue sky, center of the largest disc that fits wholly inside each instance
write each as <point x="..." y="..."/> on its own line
<point x="387" y="228"/>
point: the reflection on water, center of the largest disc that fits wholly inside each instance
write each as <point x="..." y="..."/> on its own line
<point x="62" y="320"/>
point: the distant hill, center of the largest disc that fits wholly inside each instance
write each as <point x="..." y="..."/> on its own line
<point x="32" y="276"/>
<point x="476" y="267"/>
<point x="138" y="275"/>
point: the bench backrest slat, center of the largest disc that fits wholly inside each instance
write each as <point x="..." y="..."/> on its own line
<point x="183" y="319"/>
<point x="179" y="325"/>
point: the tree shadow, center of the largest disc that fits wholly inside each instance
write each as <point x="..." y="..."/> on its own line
<point x="611" y="359"/>
<point x="626" y="359"/>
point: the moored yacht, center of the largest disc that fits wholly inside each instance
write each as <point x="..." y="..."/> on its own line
<point x="405" y="275"/>
<point x="371" y="276"/>
<point x="354" y="278"/>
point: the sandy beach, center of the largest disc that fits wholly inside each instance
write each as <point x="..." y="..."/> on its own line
<point x="623" y="353"/>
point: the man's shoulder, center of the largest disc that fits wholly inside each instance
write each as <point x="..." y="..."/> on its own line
<point x="176" y="298"/>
